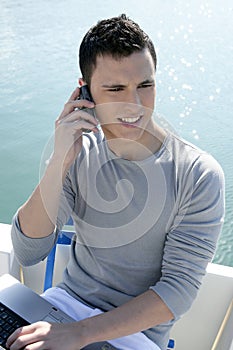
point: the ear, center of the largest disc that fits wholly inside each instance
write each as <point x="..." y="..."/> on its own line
<point x="81" y="82"/>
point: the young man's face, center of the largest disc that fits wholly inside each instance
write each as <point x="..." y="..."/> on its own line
<point x="124" y="94"/>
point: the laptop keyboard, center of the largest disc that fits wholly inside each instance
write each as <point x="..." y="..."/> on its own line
<point x="9" y="322"/>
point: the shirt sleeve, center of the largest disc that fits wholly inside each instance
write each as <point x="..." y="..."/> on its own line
<point x="30" y="251"/>
<point x="192" y="236"/>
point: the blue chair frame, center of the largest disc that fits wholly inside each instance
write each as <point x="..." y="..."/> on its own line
<point x="65" y="238"/>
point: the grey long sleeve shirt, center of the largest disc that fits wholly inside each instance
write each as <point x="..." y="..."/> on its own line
<point x="140" y="225"/>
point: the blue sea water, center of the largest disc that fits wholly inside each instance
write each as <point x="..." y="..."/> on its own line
<point x="38" y="71"/>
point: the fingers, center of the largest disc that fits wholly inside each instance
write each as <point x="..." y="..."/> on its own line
<point x="36" y="346"/>
<point x="75" y="94"/>
<point x="19" y="338"/>
<point x="77" y="115"/>
<point x="27" y="335"/>
<point x="69" y="127"/>
<point x="73" y="107"/>
<point x="83" y="125"/>
<point x="73" y="102"/>
<point x="78" y="120"/>
<point x="12" y="338"/>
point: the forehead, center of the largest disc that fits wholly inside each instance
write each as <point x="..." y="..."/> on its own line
<point x="138" y="65"/>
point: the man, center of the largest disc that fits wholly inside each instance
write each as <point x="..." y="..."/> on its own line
<point x="147" y="206"/>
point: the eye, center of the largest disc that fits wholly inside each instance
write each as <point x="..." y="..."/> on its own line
<point x="115" y="89"/>
<point x="143" y="86"/>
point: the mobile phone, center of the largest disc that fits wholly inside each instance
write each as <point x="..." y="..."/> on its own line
<point x="86" y="95"/>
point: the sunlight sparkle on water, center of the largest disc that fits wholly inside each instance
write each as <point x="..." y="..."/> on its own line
<point x="187" y="87"/>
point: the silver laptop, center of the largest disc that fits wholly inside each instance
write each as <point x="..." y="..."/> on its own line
<point x="32" y="308"/>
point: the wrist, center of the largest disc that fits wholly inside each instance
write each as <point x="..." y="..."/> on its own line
<point x="85" y="333"/>
<point x="57" y="162"/>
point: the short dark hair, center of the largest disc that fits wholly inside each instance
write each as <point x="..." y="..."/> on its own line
<point x="118" y="37"/>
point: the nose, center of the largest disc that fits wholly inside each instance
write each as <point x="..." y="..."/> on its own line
<point x="133" y="105"/>
<point x="134" y="98"/>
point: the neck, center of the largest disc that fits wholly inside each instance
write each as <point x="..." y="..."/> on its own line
<point x="139" y="149"/>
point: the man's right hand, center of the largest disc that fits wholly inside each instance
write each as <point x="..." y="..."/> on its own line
<point x="69" y="127"/>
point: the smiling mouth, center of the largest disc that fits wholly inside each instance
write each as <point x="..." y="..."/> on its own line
<point x="130" y="120"/>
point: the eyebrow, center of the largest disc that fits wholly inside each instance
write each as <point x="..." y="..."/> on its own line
<point x="112" y="86"/>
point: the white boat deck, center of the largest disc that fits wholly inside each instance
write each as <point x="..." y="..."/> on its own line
<point x="208" y="325"/>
